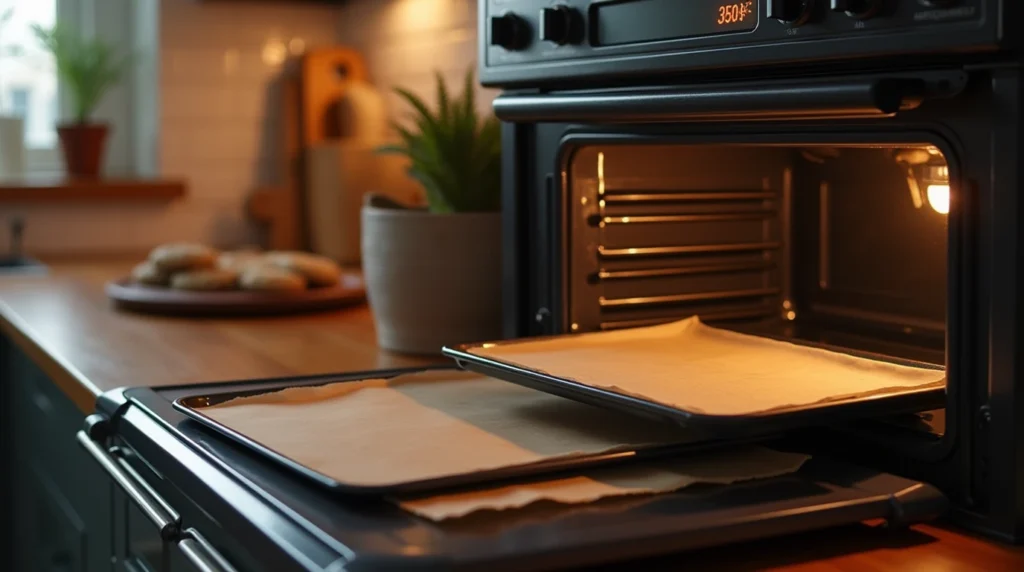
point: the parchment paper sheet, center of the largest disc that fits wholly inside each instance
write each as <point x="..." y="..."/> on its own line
<point x="720" y="467"/>
<point x="692" y="366"/>
<point x="429" y="425"/>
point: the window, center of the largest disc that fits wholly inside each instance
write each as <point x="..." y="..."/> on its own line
<point x="28" y="78"/>
<point x="19" y="101"/>
<point x="29" y="83"/>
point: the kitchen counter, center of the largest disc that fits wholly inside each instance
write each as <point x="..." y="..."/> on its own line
<point x="65" y="323"/>
<point x="65" y="326"/>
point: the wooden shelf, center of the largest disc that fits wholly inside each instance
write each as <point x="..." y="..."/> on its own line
<point x="33" y="190"/>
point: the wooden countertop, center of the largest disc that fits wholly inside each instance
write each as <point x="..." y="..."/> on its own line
<point x="65" y="323"/>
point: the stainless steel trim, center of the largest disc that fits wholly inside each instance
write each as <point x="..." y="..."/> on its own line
<point x="724" y="217"/>
<point x="614" y="199"/>
<point x="115" y="453"/>
<point x="785" y="276"/>
<point x="202" y="554"/>
<point x="694" y="249"/>
<point x="824" y="238"/>
<point x="167" y="523"/>
<point x="683" y="270"/>
<point x="678" y="298"/>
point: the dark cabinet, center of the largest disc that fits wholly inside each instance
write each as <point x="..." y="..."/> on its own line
<point x="60" y="501"/>
<point x="82" y="501"/>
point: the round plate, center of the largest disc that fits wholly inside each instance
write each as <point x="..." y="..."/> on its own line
<point x="129" y="295"/>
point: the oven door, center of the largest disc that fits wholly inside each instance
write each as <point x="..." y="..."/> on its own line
<point x="264" y="518"/>
<point x="844" y="210"/>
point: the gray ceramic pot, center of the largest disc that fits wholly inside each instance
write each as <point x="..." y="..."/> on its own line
<point x="432" y="280"/>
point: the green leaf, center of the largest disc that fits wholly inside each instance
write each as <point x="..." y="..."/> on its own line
<point x="87" y="68"/>
<point x="454" y="153"/>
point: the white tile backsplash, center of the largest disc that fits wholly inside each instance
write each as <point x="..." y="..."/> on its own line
<point x="406" y="41"/>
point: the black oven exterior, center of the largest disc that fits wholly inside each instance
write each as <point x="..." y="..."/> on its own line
<point x="969" y="106"/>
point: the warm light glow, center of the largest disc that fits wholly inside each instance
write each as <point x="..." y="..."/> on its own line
<point x="410" y="16"/>
<point x="296" y="46"/>
<point x="274" y="52"/>
<point x="938" y="198"/>
<point x="600" y="174"/>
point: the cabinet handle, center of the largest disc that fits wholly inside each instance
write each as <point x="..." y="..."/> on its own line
<point x="148" y="503"/>
<point x="202" y="554"/>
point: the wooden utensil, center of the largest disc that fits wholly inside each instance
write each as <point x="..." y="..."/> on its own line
<point x="309" y="110"/>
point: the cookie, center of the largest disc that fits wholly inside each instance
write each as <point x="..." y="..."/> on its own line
<point x="183" y="256"/>
<point x="268" y="278"/>
<point x="206" y="279"/>
<point x="239" y="260"/>
<point x="318" y="270"/>
<point x="147" y="273"/>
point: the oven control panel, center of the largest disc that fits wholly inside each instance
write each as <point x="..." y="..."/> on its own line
<point x="524" y="41"/>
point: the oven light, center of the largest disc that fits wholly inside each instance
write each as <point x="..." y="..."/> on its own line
<point x="938" y="198"/>
<point x="600" y="174"/>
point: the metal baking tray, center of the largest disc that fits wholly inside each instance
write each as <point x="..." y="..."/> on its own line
<point x="193" y="405"/>
<point x="726" y="427"/>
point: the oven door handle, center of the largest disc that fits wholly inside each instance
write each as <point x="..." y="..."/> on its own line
<point x="843" y="99"/>
<point x="163" y="517"/>
<point x="202" y="554"/>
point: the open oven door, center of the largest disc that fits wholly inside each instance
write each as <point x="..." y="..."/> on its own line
<point x="280" y="513"/>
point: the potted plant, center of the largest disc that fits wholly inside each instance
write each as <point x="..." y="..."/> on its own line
<point x="87" y="69"/>
<point x="12" y="127"/>
<point x="433" y="274"/>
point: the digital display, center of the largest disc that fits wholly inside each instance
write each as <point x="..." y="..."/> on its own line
<point x="636" y="21"/>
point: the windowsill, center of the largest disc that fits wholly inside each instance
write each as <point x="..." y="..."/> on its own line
<point x="57" y="189"/>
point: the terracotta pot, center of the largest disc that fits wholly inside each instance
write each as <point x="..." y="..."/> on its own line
<point x="84" y="145"/>
<point x="432" y="280"/>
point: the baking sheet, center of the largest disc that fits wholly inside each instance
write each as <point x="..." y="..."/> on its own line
<point x="720" y="467"/>
<point x="432" y="430"/>
<point x="690" y="372"/>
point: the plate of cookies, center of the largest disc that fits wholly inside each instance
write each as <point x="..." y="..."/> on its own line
<point x="194" y="279"/>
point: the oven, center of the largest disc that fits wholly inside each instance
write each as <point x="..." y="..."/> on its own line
<point x="842" y="172"/>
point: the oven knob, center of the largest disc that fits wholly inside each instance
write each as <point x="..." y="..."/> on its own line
<point x="860" y="9"/>
<point x="792" y="12"/>
<point x="561" y="25"/>
<point x="510" y="32"/>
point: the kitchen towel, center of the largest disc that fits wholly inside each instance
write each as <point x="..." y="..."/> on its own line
<point x="714" y="467"/>
<point x="698" y="368"/>
<point x="429" y="425"/>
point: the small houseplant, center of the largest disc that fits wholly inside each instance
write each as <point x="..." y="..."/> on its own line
<point x="433" y="274"/>
<point x="87" y="68"/>
<point x="12" y="127"/>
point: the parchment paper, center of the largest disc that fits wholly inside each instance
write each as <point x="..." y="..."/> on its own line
<point x="695" y="367"/>
<point x="430" y="425"/>
<point x="721" y="467"/>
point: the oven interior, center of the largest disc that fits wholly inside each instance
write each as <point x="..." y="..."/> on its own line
<point x="844" y="245"/>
